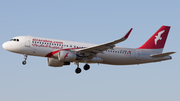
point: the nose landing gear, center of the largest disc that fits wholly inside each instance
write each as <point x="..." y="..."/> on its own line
<point x="24" y="62"/>
<point x="25" y="58"/>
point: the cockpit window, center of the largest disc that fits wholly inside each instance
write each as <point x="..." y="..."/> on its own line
<point x="15" y="40"/>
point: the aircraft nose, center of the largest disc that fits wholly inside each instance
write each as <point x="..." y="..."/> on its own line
<point x="4" y="45"/>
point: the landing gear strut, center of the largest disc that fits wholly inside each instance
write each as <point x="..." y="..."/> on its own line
<point x="86" y="66"/>
<point x="25" y="58"/>
<point x="78" y="70"/>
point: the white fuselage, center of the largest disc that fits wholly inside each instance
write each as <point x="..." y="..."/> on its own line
<point x="45" y="47"/>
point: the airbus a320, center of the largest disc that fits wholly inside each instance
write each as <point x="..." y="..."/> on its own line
<point x="60" y="52"/>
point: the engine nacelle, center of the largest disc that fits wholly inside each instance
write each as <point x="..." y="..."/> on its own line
<point x="67" y="56"/>
<point x="56" y="63"/>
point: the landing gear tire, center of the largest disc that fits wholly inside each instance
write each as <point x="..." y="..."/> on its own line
<point x="25" y="58"/>
<point x="24" y="62"/>
<point x="86" y="67"/>
<point x="78" y="70"/>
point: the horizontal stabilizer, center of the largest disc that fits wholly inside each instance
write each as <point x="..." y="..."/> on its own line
<point x="162" y="54"/>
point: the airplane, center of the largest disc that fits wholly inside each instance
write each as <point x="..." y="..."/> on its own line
<point x="61" y="53"/>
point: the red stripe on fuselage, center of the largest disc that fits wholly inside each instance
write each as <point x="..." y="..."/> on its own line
<point x="52" y="53"/>
<point x="56" y="51"/>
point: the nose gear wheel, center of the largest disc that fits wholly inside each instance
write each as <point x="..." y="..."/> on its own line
<point x="25" y="58"/>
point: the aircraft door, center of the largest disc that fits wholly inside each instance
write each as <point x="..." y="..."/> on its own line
<point x="27" y="41"/>
<point x="138" y="54"/>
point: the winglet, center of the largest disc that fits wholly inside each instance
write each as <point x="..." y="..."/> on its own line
<point x="126" y="36"/>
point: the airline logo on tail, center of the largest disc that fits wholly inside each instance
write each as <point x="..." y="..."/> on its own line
<point x="158" y="37"/>
<point x="153" y="42"/>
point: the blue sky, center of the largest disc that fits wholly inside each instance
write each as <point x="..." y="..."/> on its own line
<point x="93" y="21"/>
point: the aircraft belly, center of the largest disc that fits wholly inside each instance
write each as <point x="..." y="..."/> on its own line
<point x="125" y="59"/>
<point x="117" y="59"/>
<point x="36" y="51"/>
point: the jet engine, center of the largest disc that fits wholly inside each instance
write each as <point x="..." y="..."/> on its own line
<point x="56" y="63"/>
<point x="67" y="56"/>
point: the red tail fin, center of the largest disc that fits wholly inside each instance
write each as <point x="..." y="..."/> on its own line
<point x="158" y="40"/>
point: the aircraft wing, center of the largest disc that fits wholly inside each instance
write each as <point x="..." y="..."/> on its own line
<point x="102" y="47"/>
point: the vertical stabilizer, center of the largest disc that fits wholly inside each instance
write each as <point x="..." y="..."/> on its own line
<point x="158" y="40"/>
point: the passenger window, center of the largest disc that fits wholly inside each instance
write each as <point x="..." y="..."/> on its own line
<point x="17" y="40"/>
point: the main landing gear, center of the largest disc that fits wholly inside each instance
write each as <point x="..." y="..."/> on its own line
<point x="78" y="70"/>
<point x="25" y="58"/>
<point x="86" y="67"/>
